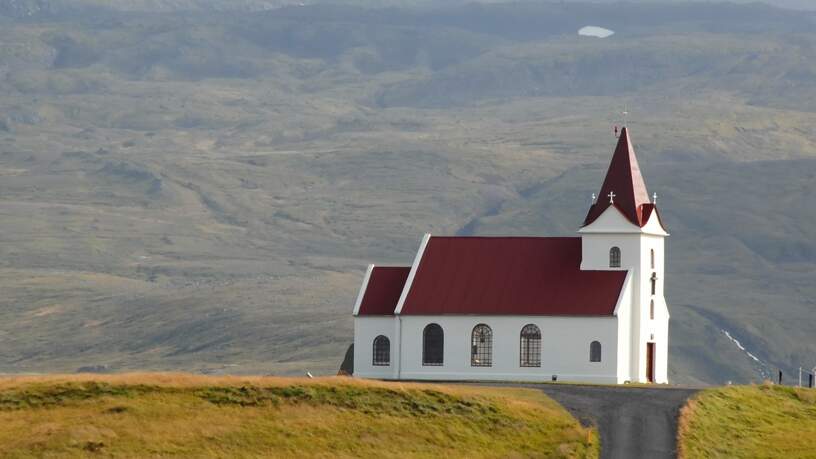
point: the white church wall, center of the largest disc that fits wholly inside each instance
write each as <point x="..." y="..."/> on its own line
<point x="595" y="256"/>
<point x="653" y="330"/>
<point x="611" y="229"/>
<point x="662" y="340"/>
<point x="366" y="328"/>
<point x="624" y="315"/>
<point x="565" y="345"/>
<point x="595" y="251"/>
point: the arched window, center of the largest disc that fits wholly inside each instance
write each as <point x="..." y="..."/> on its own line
<point x="481" y="346"/>
<point x="433" y="345"/>
<point x="654" y="283"/>
<point x="530" y="346"/>
<point x="382" y="351"/>
<point x="651" y="310"/>
<point x="614" y="257"/>
<point x="595" y="351"/>
<point x="652" y="258"/>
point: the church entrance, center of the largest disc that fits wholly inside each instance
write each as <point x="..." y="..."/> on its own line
<point x="650" y="362"/>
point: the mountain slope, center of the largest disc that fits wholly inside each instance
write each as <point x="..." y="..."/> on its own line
<point x="203" y="191"/>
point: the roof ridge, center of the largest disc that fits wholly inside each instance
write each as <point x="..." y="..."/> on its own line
<point x="508" y="276"/>
<point x="505" y="237"/>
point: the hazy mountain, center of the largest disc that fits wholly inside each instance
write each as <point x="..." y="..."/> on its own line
<point x="789" y="4"/>
<point x="202" y="191"/>
<point x="29" y="8"/>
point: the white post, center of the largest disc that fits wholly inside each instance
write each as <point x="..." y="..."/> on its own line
<point x="800" y="376"/>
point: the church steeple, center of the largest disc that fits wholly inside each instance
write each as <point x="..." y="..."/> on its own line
<point x="623" y="186"/>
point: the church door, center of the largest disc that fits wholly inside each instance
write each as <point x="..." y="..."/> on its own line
<point x="650" y="362"/>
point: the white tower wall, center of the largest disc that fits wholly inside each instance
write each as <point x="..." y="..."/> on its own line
<point x="612" y="229"/>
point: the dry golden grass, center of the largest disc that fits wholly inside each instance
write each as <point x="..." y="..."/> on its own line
<point x="162" y="415"/>
<point x="764" y="421"/>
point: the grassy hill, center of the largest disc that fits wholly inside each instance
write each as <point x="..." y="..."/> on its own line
<point x="201" y="191"/>
<point x="749" y="421"/>
<point x="163" y="415"/>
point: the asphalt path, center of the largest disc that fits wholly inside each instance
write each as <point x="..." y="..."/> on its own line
<point x="633" y="422"/>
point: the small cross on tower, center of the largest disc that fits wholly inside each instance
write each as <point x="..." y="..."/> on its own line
<point x="654" y="198"/>
<point x="612" y="197"/>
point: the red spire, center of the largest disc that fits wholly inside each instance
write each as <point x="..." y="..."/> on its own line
<point x="623" y="179"/>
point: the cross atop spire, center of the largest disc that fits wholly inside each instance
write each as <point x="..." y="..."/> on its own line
<point x="625" y="179"/>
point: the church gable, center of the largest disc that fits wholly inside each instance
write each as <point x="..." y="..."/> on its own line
<point x="508" y="276"/>
<point x="654" y="224"/>
<point x="381" y="290"/>
<point x="611" y="220"/>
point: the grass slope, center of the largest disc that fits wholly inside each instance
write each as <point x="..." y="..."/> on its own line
<point x="749" y="421"/>
<point x="160" y="415"/>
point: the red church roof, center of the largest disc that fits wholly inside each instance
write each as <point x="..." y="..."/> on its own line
<point x="383" y="290"/>
<point x="509" y="275"/>
<point x="624" y="180"/>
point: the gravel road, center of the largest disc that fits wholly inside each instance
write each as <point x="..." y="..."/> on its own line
<point x="633" y="422"/>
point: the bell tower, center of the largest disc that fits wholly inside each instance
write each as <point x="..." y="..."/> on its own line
<point x="623" y="231"/>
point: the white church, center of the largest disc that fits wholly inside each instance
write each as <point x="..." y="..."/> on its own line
<point x="585" y="309"/>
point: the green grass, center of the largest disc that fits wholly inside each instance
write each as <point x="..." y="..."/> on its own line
<point x="161" y="415"/>
<point x="764" y="421"/>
